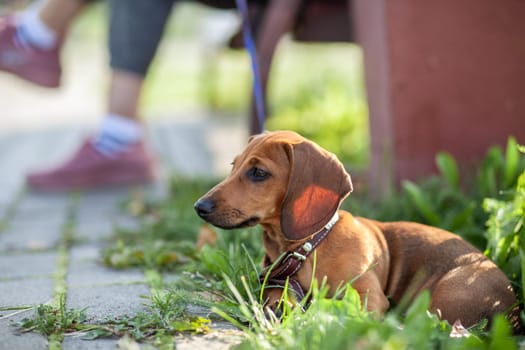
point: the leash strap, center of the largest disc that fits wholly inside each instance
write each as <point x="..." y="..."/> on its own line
<point x="249" y="43"/>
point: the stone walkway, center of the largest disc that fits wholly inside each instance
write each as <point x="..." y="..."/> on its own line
<point x="35" y="226"/>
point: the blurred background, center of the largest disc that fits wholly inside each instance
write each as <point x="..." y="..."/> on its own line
<point x="315" y="89"/>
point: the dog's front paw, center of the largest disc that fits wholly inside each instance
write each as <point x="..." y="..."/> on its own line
<point x="275" y="303"/>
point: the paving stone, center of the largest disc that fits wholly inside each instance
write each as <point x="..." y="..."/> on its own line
<point x="182" y="147"/>
<point x="7" y="140"/>
<point x="48" y="210"/>
<point x="10" y="339"/>
<point x="9" y="192"/>
<point x="26" y="292"/>
<point x="126" y="222"/>
<point x="98" y="226"/>
<point x="197" y="310"/>
<point x="95" y="211"/>
<point x="37" y="150"/>
<point x="47" y="216"/>
<point x="108" y="197"/>
<point x="34" y="150"/>
<point x="168" y="277"/>
<point x="218" y="340"/>
<point x="157" y="191"/>
<point x="44" y="201"/>
<point x="92" y="209"/>
<point x="84" y="253"/>
<point x="93" y="230"/>
<point x="194" y="148"/>
<point x="108" y="301"/>
<point x="99" y="213"/>
<point x="85" y="270"/>
<point x="27" y="265"/>
<point x="29" y="236"/>
<point x="38" y="218"/>
<point x="77" y="343"/>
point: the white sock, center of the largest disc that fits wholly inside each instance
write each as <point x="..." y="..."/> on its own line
<point x="117" y="134"/>
<point x="32" y="31"/>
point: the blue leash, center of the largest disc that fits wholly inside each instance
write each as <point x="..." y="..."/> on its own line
<point x="249" y="43"/>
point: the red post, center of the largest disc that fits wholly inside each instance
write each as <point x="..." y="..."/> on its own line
<point x="441" y="75"/>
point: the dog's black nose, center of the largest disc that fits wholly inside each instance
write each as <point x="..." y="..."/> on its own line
<point x="204" y="207"/>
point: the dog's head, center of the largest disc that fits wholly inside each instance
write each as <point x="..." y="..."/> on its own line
<point x="280" y="178"/>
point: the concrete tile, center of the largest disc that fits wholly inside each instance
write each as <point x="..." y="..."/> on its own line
<point x="212" y="341"/>
<point x="11" y="339"/>
<point x="40" y="210"/>
<point x="74" y="342"/>
<point x="37" y="219"/>
<point x="93" y="230"/>
<point x="27" y="265"/>
<point x="108" y="197"/>
<point x="26" y="292"/>
<point x="108" y="301"/>
<point x="86" y="271"/>
<point x="47" y="201"/>
<point x="8" y="192"/>
<point x="182" y="147"/>
<point x="29" y="236"/>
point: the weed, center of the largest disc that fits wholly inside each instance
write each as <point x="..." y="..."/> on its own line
<point x="165" y="239"/>
<point x="506" y="233"/>
<point x="165" y="316"/>
<point x="161" y="254"/>
<point x="51" y="319"/>
<point x="448" y="200"/>
<point x="341" y="323"/>
<point x="217" y="266"/>
<point x="54" y="320"/>
<point x="226" y="274"/>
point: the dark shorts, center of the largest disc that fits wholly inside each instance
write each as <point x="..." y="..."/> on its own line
<point x="135" y="30"/>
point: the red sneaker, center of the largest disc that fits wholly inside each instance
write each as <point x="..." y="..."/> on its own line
<point x="88" y="168"/>
<point x="38" y="66"/>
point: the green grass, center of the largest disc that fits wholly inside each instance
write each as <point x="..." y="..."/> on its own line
<point x="317" y="90"/>
<point x="229" y="269"/>
<point x="164" y="317"/>
<point x="341" y="323"/>
<point x="53" y="319"/>
<point x="224" y="277"/>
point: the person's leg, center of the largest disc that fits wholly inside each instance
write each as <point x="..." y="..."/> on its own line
<point x="124" y="93"/>
<point x="59" y="14"/>
<point x="136" y="27"/>
<point x="121" y="127"/>
<point x="30" y="41"/>
<point x="116" y="154"/>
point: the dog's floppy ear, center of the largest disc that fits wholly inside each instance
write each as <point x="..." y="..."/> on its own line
<point x="317" y="185"/>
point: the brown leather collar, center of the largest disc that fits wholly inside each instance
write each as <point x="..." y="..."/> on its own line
<point x="292" y="261"/>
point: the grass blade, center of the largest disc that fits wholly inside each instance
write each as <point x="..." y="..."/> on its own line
<point x="448" y="168"/>
<point x="421" y="203"/>
<point x="512" y="159"/>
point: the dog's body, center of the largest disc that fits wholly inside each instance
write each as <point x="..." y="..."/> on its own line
<point x="293" y="188"/>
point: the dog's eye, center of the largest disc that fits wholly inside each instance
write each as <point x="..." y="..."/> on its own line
<point x="257" y="174"/>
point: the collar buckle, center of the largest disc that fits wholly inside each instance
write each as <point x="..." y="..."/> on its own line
<point x="298" y="256"/>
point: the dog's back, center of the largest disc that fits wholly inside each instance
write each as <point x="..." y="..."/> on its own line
<point x="464" y="284"/>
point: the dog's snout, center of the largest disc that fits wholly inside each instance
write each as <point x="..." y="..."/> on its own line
<point x="204" y="207"/>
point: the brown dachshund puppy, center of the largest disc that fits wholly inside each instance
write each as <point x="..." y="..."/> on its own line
<point x="293" y="188"/>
